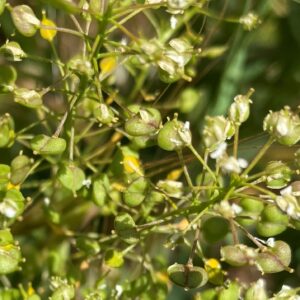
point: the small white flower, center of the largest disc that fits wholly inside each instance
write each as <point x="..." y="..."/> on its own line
<point x="287" y="191"/>
<point x="236" y="208"/>
<point x="46" y="201"/>
<point x="173" y="22"/>
<point x="220" y="151"/>
<point x="242" y="163"/>
<point x="87" y="182"/>
<point x="119" y="290"/>
<point x="270" y="242"/>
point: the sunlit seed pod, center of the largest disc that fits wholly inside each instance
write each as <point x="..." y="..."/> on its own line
<point x="63" y="292"/>
<point x="275" y="259"/>
<point x="104" y="114"/>
<point x="172" y="188"/>
<point x="20" y="167"/>
<point x="81" y="67"/>
<point x="46" y="145"/>
<point x="174" y="135"/>
<point x="145" y="122"/>
<point x="257" y="291"/>
<point x="283" y="126"/>
<point x="251" y="205"/>
<point x="28" y="98"/>
<point x="25" y="20"/>
<point x="6" y="237"/>
<point x="12" y="205"/>
<point x="238" y="255"/>
<point x="187" y="276"/>
<point x="7" y="133"/>
<point x="231" y="292"/>
<point x="11" y="50"/>
<point x="216" y="131"/>
<point x="214" y="229"/>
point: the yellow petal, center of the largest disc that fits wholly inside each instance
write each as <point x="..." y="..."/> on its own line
<point x="46" y="33"/>
<point x="108" y="64"/>
<point x="132" y="165"/>
<point x="175" y="174"/>
<point x="11" y="186"/>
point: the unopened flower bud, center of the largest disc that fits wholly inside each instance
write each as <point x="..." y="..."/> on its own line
<point x="250" y="21"/>
<point x="283" y="126"/>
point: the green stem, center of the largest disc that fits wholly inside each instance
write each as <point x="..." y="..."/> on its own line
<point x="185" y="170"/>
<point x="258" y="156"/>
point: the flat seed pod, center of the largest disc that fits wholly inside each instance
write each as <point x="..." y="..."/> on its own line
<point x="8" y="76"/>
<point x="100" y="190"/>
<point x="20" y="167"/>
<point x="46" y="145"/>
<point x="275" y="259"/>
<point x="10" y="254"/>
<point x="7" y="133"/>
<point x="28" y="98"/>
<point x="145" y="122"/>
<point x="136" y="192"/>
<point x="126" y="229"/>
<point x="232" y="292"/>
<point x="12" y="51"/>
<point x="88" y="246"/>
<point x="12" y="204"/>
<point x="25" y="20"/>
<point x="71" y="177"/>
<point x="63" y="292"/>
<point x="238" y="255"/>
<point x="187" y="276"/>
<point x="269" y="229"/>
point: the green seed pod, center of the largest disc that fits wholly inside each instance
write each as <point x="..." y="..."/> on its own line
<point x="214" y="229"/>
<point x="210" y="294"/>
<point x="126" y="229"/>
<point x="232" y="292"/>
<point x="101" y="187"/>
<point x="46" y="145"/>
<point x="278" y="175"/>
<point x="20" y="167"/>
<point x="239" y="111"/>
<point x="7" y="133"/>
<point x="28" y="98"/>
<point x="174" y="135"/>
<point x="136" y="192"/>
<point x="12" y="51"/>
<point x="171" y="187"/>
<point x="4" y="176"/>
<point x="275" y="259"/>
<point x="145" y="122"/>
<point x="271" y="213"/>
<point x="12" y="205"/>
<point x="238" y="255"/>
<point x="257" y="291"/>
<point x="178" y="6"/>
<point x="10" y="254"/>
<point x="89" y="246"/>
<point x="104" y="114"/>
<point x="216" y="131"/>
<point x="114" y="258"/>
<point x="81" y="66"/>
<point x="187" y="276"/>
<point x="283" y="126"/>
<point x="141" y="142"/>
<point x="251" y="209"/>
<point x="71" y="177"/>
<point x="269" y="229"/>
<point x="25" y="20"/>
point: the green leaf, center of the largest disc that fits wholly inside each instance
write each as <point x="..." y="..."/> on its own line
<point x="114" y="258"/>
